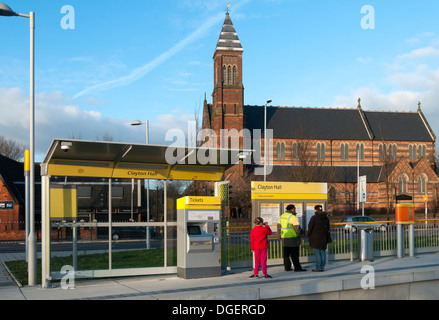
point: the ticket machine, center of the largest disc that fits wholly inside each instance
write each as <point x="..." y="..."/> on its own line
<point x="405" y="215"/>
<point x="198" y="237"/>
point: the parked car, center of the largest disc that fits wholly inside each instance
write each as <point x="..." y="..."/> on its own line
<point x="128" y="233"/>
<point x="360" y="222"/>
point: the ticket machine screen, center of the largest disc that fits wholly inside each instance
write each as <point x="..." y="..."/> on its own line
<point x="193" y="230"/>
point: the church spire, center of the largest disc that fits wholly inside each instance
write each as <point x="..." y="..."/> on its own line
<point x="228" y="92"/>
<point x="228" y="39"/>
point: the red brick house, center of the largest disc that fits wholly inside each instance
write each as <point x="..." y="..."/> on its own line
<point x="12" y="199"/>
<point x="395" y="150"/>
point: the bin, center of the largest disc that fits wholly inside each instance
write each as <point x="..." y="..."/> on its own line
<point x="366" y="244"/>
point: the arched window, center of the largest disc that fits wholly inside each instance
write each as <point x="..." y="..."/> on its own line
<point x="224" y="75"/>
<point x="235" y="80"/>
<point x="403" y="184"/>
<point x="360" y="151"/>
<point x="422" y="184"/>
<point x="295" y="151"/>
<point x="383" y="152"/>
<point x="411" y="152"/>
<point x="320" y="151"/>
<point x="393" y="153"/>
<point x="344" y="151"/>
<point x="229" y="75"/>
<point x="422" y="151"/>
<point x="280" y="147"/>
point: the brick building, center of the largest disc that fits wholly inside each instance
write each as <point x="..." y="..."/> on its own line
<point x="395" y="150"/>
<point x="12" y="199"/>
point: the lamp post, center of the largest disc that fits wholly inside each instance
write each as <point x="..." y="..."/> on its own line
<point x="146" y="123"/>
<point x="139" y="123"/>
<point x="32" y="239"/>
<point x="265" y="139"/>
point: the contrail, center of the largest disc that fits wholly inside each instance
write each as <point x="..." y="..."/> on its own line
<point x="144" y="70"/>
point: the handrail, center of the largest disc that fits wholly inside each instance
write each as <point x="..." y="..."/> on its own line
<point x="360" y="222"/>
<point x="342" y="223"/>
<point x="373" y="222"/>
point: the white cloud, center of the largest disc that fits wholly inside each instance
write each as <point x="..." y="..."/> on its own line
<point x="364" y="60"/>
<point x="56" y="116"/>
<point x="420" y="53"/>
<point x="422" y="78"/>
<point x="373" y="99"/>
<point x="419" y="38"/>
<point x="412" y="77"/>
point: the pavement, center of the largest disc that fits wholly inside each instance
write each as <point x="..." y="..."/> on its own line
<point x="353" y="279"/>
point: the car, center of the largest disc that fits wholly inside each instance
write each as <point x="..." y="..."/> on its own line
<point x="353" y="223"/>
<point x="129" y="233"/>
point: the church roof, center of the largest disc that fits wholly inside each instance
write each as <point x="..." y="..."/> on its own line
<point x="12" y="174"/>
<point x="405" y="126"/>
<point x="228" y="39"/>
<point x="339" y="124"/>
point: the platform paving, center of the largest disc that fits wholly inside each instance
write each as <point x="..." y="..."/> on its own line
<point x="341" y="279"/>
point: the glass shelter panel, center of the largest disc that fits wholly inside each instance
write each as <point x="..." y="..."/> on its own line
<point x="88" y="231"/>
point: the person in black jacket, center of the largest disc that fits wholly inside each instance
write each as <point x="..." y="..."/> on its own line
<point x="318" y="235"/>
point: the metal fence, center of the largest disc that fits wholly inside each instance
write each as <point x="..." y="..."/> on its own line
<point x="345" y="244"/>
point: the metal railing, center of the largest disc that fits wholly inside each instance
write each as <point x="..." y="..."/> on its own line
<point x="237" y="252"/>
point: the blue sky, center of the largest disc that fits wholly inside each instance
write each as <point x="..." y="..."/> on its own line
<point x="152" y="60"/>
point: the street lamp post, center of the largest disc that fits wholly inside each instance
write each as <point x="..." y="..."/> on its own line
<point x="265" y="139"/>
<point x="32" y="239"/>
<point x="146" y="123"/>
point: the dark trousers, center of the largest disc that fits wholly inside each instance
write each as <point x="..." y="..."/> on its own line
<point x="292" y="252"/>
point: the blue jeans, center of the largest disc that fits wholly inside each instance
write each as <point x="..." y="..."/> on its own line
<point x="320" y="259"/>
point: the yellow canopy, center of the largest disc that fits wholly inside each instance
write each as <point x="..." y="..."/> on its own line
<point x="79" y="158"/>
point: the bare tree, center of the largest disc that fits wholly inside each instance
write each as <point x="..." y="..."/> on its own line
<point x="307" y="169"/>
<point x="72" y="136"/>
<point x="198" y="124"/>
<point x="106" y="137"/>
<point x="310" y="168"/>
<point x="12" y="149"/>
<point x="241" y="189"/>
<point x="388" y="160"/>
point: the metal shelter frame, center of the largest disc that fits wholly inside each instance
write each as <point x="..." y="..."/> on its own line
<point x="112" y="160"/>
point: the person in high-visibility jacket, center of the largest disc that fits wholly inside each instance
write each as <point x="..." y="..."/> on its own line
<point x="290" y="235"/>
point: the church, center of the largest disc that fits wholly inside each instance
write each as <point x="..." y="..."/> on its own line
<point x="395" y="150"/>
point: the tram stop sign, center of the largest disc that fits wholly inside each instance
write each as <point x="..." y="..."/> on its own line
<point x="362" y="184"/>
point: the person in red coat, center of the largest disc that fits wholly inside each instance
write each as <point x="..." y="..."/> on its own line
<point x="259" y="246"/>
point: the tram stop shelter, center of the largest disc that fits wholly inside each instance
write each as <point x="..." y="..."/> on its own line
<point x="111" y="161"/>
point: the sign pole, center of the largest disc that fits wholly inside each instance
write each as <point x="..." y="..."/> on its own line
<point x="426" y="209"/>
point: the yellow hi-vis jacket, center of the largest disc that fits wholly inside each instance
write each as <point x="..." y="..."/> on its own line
<point x="286" y="223"/>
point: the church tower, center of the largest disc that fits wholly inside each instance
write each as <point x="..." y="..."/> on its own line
<point x="228" y="93"/>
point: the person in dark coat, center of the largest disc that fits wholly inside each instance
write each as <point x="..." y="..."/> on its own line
<point x="318" y="236"/>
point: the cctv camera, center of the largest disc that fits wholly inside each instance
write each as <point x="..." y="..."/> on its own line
<point x="65" y="146"/>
